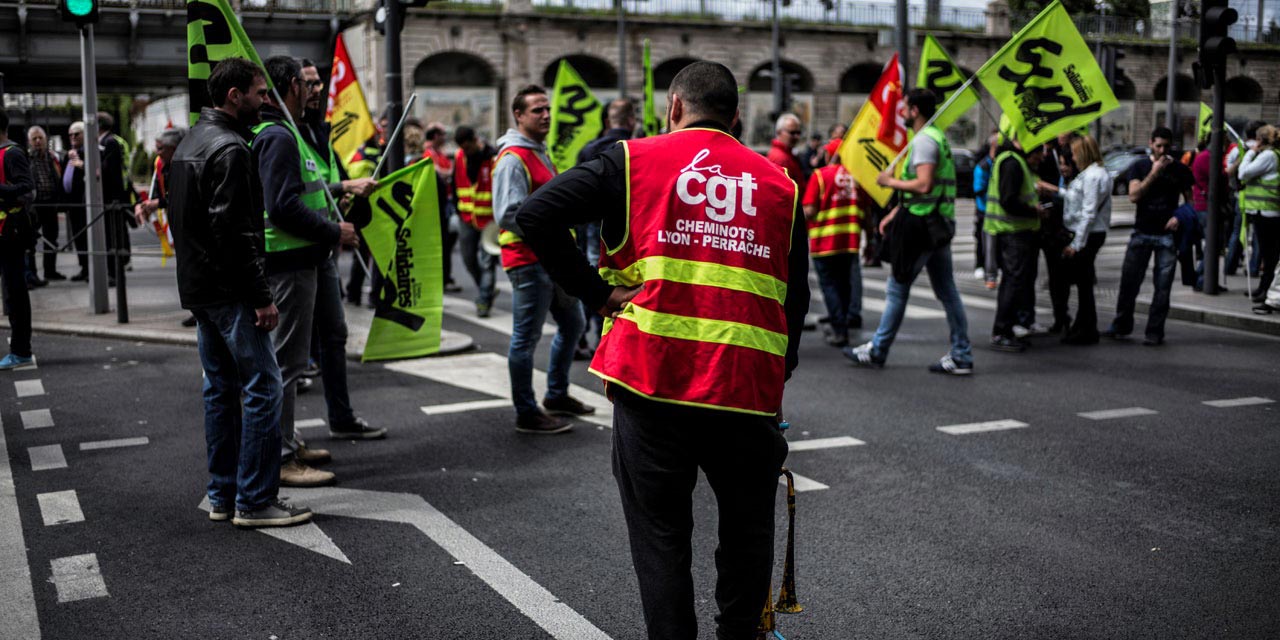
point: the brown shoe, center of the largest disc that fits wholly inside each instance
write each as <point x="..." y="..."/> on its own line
<point x="542" y="423"/>
<point x="312" y="456"/>
<point x="296" y="474"/>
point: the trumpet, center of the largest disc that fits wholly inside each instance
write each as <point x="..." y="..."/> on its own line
<point x="787" y="602"/>
<point x="489" y="239"/>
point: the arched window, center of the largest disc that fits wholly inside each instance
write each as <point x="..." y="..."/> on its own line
<point x="861" y="77"/>
<point x="666" y="71"/>
<point x="457" y="88"/>
<point x="454" y="69"/>
<point x="1243" y="90"/>
<point x="594" y="71"/>
<point x="762" y="77"/>
<point x="1184" y="89"/>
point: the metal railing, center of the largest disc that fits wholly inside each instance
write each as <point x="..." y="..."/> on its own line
<point x="837" y="12"/>
<point x="336" y="7"/>
<point x="1156" y="28"/>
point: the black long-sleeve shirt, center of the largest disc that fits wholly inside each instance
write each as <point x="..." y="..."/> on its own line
<point x="1010" y="187"/>
<point x="597" y="191"/>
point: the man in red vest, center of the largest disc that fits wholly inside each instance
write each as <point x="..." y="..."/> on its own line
<point x="833" y="208"/>
<point x="704" y="293"/>
<point x="473" y="180"/>
<point x="521" y="168"/>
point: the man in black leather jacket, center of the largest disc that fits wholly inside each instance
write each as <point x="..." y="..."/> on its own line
<point x="215" y="204"/>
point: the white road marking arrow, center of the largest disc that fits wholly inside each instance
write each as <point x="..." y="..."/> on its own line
<point x="531" y="598"/>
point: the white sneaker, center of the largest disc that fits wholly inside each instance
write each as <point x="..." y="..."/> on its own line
<point x="1037" y="330"/>
<point x="979" y="274"/>
<point x="1020" y="331"/>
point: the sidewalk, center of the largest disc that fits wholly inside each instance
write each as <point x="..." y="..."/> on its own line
<point x="154" y="312"/>
<point x="1230" y="309"/>
<point x="155" y="316"/>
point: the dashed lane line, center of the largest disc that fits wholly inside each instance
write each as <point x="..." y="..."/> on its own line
<point x="1238" y="402"/>
<point x="44" y="458"/>
<point x="823" y="443"/>
<point x="114" y="444"/>
<point x="36" y="419"/>
<point x="77" y="578"/>
<point x="462" y="407"/>
<point x="28" y="388"/>
<point x="804" y="484"/>
<point x="60" y="507"/>
<point x="498" y="320"/>
<point x="17" y="597"/>
<point x="309" y="423"/>
<point x="1112" y="414"/>
<point x="982" y="427"/>
<point x="487" y="373"/>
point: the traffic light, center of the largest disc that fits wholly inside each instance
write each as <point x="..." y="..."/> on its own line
<point x="1215" y="45"/>
<point x="81" y="12"/>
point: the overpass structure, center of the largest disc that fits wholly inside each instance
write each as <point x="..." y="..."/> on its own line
<point x="464" y="59"/>
<point x="142" y="44"/>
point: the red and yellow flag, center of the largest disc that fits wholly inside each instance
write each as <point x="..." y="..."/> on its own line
<point x="348" y="113"/>
<point x="877" y="134"/>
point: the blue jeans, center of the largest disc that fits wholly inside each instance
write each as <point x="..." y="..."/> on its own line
<point x="243" y="439"/>
<point x="331" y="335"/>
<point x="943" y="281"/>
<point x="840" y="277"/>
<point x="533" y="295"/>
<point x="479" y="263"/>
<point x="1136" y="259"/>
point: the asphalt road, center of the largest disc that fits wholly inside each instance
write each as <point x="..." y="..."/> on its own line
<point x="1159" y="524"/>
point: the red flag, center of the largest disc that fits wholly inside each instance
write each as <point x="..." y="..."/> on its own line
<point x="347" y="111"/>
<point x="887" y="98"/>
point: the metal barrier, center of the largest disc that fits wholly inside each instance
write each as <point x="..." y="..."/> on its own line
<point x="117" y="237"/>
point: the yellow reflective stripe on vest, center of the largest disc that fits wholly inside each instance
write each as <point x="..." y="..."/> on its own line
<point x="725" y="332"/>
<point x="835" y="212"/>
<point x="706" y="274"/>
<point x="850" y="228"/>
<point x="508" y="238"/>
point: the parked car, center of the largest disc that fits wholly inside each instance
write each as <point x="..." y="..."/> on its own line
<point x="1118" y="163"/>
<point x="965" y="161"/>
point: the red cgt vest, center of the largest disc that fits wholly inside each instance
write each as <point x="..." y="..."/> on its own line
<point x="708" y="235"/>
<point x="515" y="253"/>
<point x="837" y="227"/>
<point x="475" y="201"/>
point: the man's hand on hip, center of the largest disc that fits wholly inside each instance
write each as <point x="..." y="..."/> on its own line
<point x="268" y="317"/>
<point x="617" y="300"/>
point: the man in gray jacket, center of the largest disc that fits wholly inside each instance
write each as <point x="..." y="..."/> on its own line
<point x="523" y="166"/>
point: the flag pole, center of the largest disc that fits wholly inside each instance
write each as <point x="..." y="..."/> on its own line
<point x="395" y="132"/>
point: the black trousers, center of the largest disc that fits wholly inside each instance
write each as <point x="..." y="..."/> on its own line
<point x="657" y="451"/>
<point x="1059" y="284"/>
<point x="1018" y="258"/>
<point x="17" y="301"/>
<point x="48" y="231"/>
<point x="1268" y="232"/>
<point x="1081" y="274"/>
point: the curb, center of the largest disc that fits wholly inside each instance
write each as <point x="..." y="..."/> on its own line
<point x="1252" y="324"/>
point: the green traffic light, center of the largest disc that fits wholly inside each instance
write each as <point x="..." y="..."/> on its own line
<point x="80" y="8"/>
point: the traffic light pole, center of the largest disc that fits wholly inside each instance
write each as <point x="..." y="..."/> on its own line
<point x="395" y="87"/>
<point x="1217" y="182"/>
<point x="93" y="181"/>
<point x="776" y="65"/>
<point x="1170" y="107"/>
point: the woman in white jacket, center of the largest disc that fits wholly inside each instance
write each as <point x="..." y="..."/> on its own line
<point x="1087" y="214"/>
<point x="1260" y="173"/>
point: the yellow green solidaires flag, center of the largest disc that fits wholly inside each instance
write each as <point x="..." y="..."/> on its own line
<point x="1206" y="122"/>
<point x="577" y="118"/>
<point x="939" y="74"/>
<point x="1047" y="80"/>
<point x="652" y="126"/>
<point x="213" y="35"/>
<point x="404" y="237"/>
